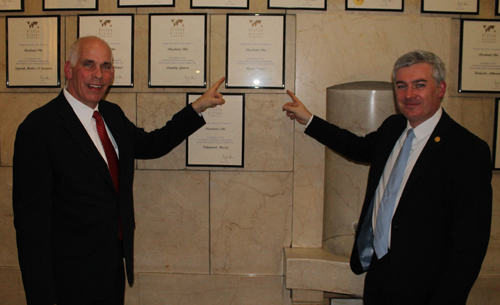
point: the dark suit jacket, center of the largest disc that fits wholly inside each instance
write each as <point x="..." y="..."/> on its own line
<point x="66" y="208"/>
<point x="440" y="230"/>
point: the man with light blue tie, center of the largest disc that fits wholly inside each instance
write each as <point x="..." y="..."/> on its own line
<point x="425" y="223"/>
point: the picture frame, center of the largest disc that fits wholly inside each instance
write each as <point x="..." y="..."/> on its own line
<point x="375" y="5"/>
<point x="33" y="51"/>
<point x="450" y="7"/>
<point x="298" y="4"/>
<point x="71" y="5"/>
<point x="177" y="50"/>
<point x="479" y="59"/>
<point x="255" y="51"/>
<point x="145" y="3"/>
<point x="220" y="4"/>
<point x="496" y="137"/>
<point x="12" y="6"/>
<point x="219" y="143"/>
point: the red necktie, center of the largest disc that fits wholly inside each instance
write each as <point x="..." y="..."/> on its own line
<point x="110" y="152"/>
<point x="108" y="149"/>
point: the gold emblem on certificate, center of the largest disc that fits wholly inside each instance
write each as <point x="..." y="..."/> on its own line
<point x="359" y="2"/>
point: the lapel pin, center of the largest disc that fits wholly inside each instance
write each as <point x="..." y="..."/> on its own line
<point x="437" y="139"/>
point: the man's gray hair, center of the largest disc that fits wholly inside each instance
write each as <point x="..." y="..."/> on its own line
<point x="415" y="57"/>
<point x="74" y="49"/>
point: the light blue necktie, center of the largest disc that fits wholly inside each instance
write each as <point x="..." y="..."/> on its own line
<point x="388" y="202"/>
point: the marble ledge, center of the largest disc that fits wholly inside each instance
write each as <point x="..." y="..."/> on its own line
<point x="316" y="269"/>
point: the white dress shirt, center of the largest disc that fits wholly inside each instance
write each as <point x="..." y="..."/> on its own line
<point x="84" y="113"/>
<point x="422" y="135"/>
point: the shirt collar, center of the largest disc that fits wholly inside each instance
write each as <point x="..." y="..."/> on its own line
<point x="83" y="111"/>
<point x="426" y="128"/>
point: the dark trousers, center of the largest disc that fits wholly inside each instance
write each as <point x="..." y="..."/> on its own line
<point x="377" y="289"/>
<point x="117" y="297"/>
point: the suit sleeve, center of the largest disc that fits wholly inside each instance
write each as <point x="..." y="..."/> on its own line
<point x="471" y="222"/>
<point x="32" y="200"/>
<point x="159" y="142"/>
<point x="341" y="140"/>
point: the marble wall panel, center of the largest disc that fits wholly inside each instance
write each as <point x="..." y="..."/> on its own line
<point x="250" y="222"/>
<point x="153" y="111"/>
<point x="11" y="290"/>
<point x="209" y="289"/>
<point x="13" y="110"/>
<point x="172" y="214"/>
<point x="8" y="247"/>
<point x="268" y="134"/>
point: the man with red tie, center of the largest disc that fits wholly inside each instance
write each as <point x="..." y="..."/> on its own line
<point x="73" y="174"/>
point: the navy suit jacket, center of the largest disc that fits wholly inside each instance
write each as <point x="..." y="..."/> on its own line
<point x="66" y="209"/>
<point x="441" y="227"/>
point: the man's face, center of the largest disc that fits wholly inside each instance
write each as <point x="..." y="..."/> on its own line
<point x="417" y="95"/>
<point x="92" y="74"/>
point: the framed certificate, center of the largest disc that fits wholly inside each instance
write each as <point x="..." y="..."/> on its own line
<point x="450" y="6"/>
<point x="229" y="4"/>
<point x="177" y="50"/>
<point x="375" y="5"/>
<point x="118" y="32"/>
<point x="497" y="8"/>
<point x="255" y="55"/>
<point x="12" y="6"/>
<point x="297" y="4"/>
<point x="479" y="69"/>
<point x="496" y="137"/>
<point x="126" y="3"/>
<point x="220" y="142"/>
<point x="33" y="51"/>
<point x="49" y="5"/>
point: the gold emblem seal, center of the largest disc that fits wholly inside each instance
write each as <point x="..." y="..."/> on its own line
<point x="358" y="2"/>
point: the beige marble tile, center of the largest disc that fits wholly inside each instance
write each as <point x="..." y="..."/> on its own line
<point x="11" y="290"/>
<point x="172" y="214"/>
<point x="153" y="111"/>
<point x="316" y="269"/>
<point x="209" y="289"/>
<point x="268" y="135"/>
<point x="8" y="246"/>
<point x="250" y="222"/>
<point x="13" y="110"/>
<point x="485" y="291"/>
<point x="491" y="263"/>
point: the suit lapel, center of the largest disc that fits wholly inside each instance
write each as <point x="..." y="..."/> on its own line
<point x="437" y="139"/>
<point x="79" y="134"/>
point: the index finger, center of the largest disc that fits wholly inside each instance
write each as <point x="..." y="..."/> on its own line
<point x="218" y="83"/>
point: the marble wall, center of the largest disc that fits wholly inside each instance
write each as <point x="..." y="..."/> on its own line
<point x="216" y="235"/>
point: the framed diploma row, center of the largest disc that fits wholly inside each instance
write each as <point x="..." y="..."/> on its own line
<point x="496" y="137"/>
<point x="219" y="142"/>
<point x="69" y="5"/>
<point x="12" y="6"/>
<point x="255" y="55"/>
<point x="479" y="69"/>
<point x="177" y="50"/>
<point x="128" y="3"/>
<point x="229" y="4"/>
<point x="375" y="5"/>
<point x="297" y="4"/>
<point x="118" y="32"/>
<point x="33" y="51"/>
<point x="450" y="6"/>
